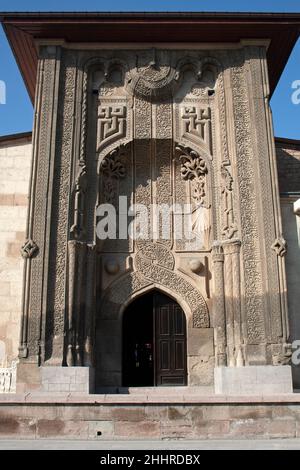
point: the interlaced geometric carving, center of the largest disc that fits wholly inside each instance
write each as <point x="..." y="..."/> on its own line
<point x="111" y="124"/>
<point x="196" y="124"/>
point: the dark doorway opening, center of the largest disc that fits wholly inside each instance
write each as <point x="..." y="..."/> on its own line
<point x="154" y="342"/>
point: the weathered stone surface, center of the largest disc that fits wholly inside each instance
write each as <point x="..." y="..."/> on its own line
<point x="250" y="380"/>
<point x="101" y="429"/>
<point x="28" y="377"/>
<point x="67" y="379"/>
<point x="201" y="370"/>
<point x="62" y="429"/>
<point x="137" y="430"/>
<point x="201" y="342"/>
<point x="128" y="414"/>
<point x="13" y="427"/>
<point x="234" y="421"/>
<point x="15" y="160"/>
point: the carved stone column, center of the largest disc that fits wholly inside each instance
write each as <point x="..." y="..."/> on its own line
<point x="76" y="304"/>
<point x="233" y="303"/>
<point x="89" y="316"/>
<point x="36" y="247"/>
<point x="264" y="285"/>
<point x="219" y="305"/>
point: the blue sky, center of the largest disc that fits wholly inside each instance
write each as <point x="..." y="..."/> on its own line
<point x="16" y="115"/>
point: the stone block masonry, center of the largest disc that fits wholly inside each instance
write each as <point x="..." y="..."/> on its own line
<point x="67" y="379"/>
<point x="15" y="161"/>
<point x="106" y="417"/>
<point x="251" y="380"/>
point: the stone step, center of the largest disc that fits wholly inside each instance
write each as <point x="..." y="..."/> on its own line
<point x="159" y="391"/>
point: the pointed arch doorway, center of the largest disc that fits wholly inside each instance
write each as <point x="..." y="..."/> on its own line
<point x="154" y="342"/>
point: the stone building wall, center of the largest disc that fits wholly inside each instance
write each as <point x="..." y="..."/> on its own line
<point x="288" y="162"/>
<point x="15" y="160"/>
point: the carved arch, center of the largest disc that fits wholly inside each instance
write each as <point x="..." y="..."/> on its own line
<point x="133" y="284"/>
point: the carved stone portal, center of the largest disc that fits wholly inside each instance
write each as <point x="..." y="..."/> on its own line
<point x="158" y="128"/>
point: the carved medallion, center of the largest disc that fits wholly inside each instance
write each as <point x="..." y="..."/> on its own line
<point x="280" y="246"/>
<point x="153" y="82"/>
<point x="29" y="249"/>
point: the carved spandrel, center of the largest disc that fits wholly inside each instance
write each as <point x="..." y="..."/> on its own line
<point x="156" y="263"/>
<point x="113" y="165"/>
<point x="112" y="170"/>
<point x="116" y="180"/>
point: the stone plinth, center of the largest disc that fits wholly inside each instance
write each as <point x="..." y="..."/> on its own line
<point x="253" y="380"/>
<point x="67" y="379"/>
<point x="185" y="416"/>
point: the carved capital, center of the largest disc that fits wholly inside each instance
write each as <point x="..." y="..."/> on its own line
<point x="23" y="351"/>
<point x="284" y="356"/>
<point x="29" y="249"/>
<point x="217" y="253"/>
<point x="231" y="246"/>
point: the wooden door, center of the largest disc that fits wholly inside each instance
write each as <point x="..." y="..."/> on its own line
<point x="170" y="342"/>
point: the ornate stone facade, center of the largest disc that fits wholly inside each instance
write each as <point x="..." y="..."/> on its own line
<point x="155" y="126"/>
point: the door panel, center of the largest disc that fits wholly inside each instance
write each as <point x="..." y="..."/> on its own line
<point x="170" y="342"/>
<point x="138" y="370"/>
<point x="154" y="342"/>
